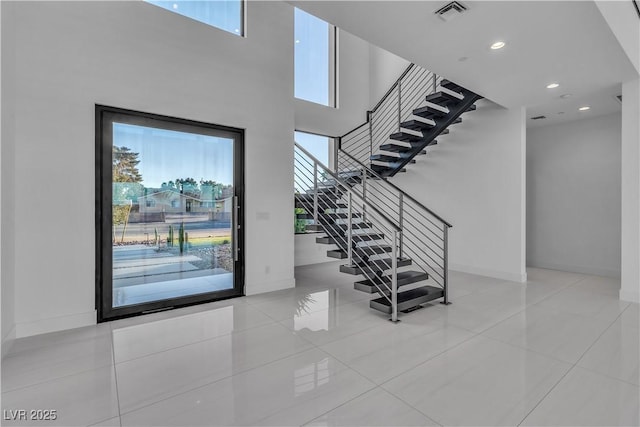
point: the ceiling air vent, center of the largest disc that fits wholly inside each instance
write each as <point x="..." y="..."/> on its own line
<point x="538" y="117"/>
<point x="450" y="10"/>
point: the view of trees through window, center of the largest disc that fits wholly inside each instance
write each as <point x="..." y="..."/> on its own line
<point x="171" y="205"/>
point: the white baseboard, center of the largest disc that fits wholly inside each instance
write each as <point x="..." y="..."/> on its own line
<point x="7" y="341"/>
<point x="43" y="326"/>
<point x="263" y="287"/>
<point x="630" y="296"/>
<point x="502" y="275"/>
<point x="595" y="271"/>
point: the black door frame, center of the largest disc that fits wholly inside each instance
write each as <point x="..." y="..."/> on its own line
<point x="104" y="117"/>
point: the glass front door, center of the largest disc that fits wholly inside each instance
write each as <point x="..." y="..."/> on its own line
<point x="169" y="212"/>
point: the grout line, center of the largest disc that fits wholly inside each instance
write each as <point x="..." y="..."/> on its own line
<point x="574" y="365"/>
<point x="260" y="365"/>
<point x="198" y="341"/>
<point x="382" y="384"/>
<point x="84" y="371"/>
<point x="115" y="375"/>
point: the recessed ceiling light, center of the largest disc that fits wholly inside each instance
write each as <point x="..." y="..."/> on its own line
<point x="565" y="96"/>
<point x="585" y="108"/>
<point x="498" y="45"/>
<point x="237" y="30"/>
<point x="175" y="5"/>
<point x="552" y="85"/>
<point x="297" y="41"/>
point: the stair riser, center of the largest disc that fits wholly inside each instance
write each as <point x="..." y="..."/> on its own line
<point x="381" y="304"/>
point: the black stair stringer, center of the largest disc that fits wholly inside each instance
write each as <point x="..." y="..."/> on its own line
<point x="455" y="111"/>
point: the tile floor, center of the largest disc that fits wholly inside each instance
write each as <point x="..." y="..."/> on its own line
<point x="561" y="350"/>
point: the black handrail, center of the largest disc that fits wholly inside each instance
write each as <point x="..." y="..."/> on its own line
<point x="386" y="95"/>
<point x="371" y="171"/>
<point x="395" y="85"/>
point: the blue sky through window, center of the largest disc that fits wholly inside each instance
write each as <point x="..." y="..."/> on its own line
<point x="317" y="145"/>
<point x="311" y="58"/>
<point x="223" y="14"/>
<point x="167" y="155"/>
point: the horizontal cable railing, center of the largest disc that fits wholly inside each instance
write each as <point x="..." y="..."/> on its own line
<point x="405" y="95"/>
<point x="423" y="233"/>
<point x="370" y="239"/>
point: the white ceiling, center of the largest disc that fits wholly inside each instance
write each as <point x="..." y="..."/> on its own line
<point x="567" y="42"/>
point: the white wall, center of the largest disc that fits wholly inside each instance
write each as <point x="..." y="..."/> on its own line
<point x="630" y="278"/>
<point x="7" y="169"/>
<point x="71" y="55"/>
<point x="622" y="18"/>
<point x="573" y="196"/>
<point x="385" y="69"/>
<point x="310" y="252"/>
<point x="475" y="179"/>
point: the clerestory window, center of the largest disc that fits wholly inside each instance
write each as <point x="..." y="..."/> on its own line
<point x="227" y="15"/>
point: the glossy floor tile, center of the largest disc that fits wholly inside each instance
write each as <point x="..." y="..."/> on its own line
<point x="291" y="391"/>
<point x="303" y="303"/>
<point x="586" y="302"/>
<point x="149" y="338"/>
<point x="554" y="333"/>
<point x="32" y="366"/>
<point x="81" y="399"/>
<point x="374" y="408"/>
<point x="617" y="351"/>
<point x="161" y="375"/>
<point x="479" y="382"/>
<point x="585" y="398"/>
<point x="560" y="349"/>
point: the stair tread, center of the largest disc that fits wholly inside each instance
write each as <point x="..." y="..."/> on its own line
<point x="428" y="112"/>
<point x="404" y="278"/>
<point x="377" y="265"/>
<point x="400" y="148"/>
<point x="404" y="136"/>
<point x="408" y="299"/>
<point x="451" y="85"/>
<point x="373" y="250"/>
<point x="416" y="125"/>
<point x="337" y="253"/>
<point x="356" y="238"/>
<point x="442" y="98"/>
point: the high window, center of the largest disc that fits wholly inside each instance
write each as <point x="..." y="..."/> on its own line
<point x="315" y="59"/>
<point x="227" y="15"/>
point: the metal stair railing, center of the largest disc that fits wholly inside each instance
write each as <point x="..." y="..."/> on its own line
<point x="322" y="192"/>
<point x="423" y="234"/>
<point x="406" y="94"/>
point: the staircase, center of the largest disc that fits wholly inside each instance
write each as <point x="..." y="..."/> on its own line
<point x="398" y="245"/>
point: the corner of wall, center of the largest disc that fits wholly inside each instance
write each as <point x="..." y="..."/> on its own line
<point x="60" y="323"/>
<point x="276" y="285"/>
<point x="630" y="296"/>
<point x="7" y="341"/>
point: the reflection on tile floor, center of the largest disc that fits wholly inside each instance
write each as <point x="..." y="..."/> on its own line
<point x="559" y="350"/>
